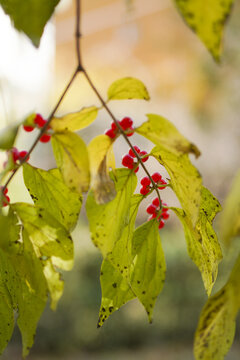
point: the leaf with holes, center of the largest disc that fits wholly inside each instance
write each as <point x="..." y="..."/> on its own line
<point x="202" y="242"/>
<point x="126" y="89"/>
<point x="207" y="19"/>
<point x="75" y="121"/>
<point x="71" y="156"/>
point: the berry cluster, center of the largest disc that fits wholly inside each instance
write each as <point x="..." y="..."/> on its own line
<point x="15" y="156"/>
<point x="146" y="183"/>
<point x="129" y="161"/>
<point x="154" y="210"/>
<point x="38" y="122"/>
<point x="126" y="124"/>
<point x="6" y="198"/>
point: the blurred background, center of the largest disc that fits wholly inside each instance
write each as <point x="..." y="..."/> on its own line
<point x="149" y="41"/>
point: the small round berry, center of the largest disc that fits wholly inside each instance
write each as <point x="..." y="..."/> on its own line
<point x="165" y="215"/>
<point x="126" y="123"/>
<point x="6" y="201"/>
<point x="130" y="131"/>
<point x="143" y="153"/>
<point x="156" y="177"/>
<point x="39" y="120"/>
<point x="144" y="190"/>
<point x="110" y="133"/>
<point x="161" y="183"/>
<point x="151" y="209"/>
<point x="22" y="155"/>
<point x="28" y="128"/>
<point x="5" y="191"/>
<point x="156" y="201"/>
<point x="15" y="154"/>
<point x="161" y="224"/>
<point x="114" y="126"/>
<point x="45" y="138"/>
<point x="145" y="181"/>
<point x="136" y="170"/>
<point x="128" y="161"/>
<point x="131" y="153"/>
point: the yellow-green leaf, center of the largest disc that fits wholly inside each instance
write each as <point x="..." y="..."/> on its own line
<point x="107" y="221"/>
<point x="207" y="19"/>
<point x="149" y="269"/>
<point x="216" y="327"/>
<point x="75" y="121"/>
<point x="48" y="191"/>
<point x="127" y="88"/>
<point x="230" y="217"/>
<point x="101" y="183"/>
<point x="186" y="181"/>
<point x="202" y="242"/>
<point x="71" y="156"/>
<point x="48" y="236"/>
<point x="162" y="132"/>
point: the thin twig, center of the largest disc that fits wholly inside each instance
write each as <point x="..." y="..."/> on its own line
<point x="78" y="34"/>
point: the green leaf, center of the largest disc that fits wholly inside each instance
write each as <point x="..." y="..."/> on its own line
<point x="116" y="291"/>
<point x="48" y="191"/>
<point x="30" y="16"/>
<point x="107" y="221"/>
<point x="202" y="242"/>
<point x="127" y="88"/>
<point x="10" y="233"/>
<point x="216" y="327"/>
<point x="149" y="265"/>
<point x="101" y="184"/>
<point x="8" y="137"/>
<point x="75" y="121"/>
<point x="162" y="132"/>
<point x="32" y="300"/>
<point x="48" y="236"/>
<point x="207" y="19"/>
<point x="230" y="217"/>
<point x="71" y="156"/>
<point x="186" y="181"/>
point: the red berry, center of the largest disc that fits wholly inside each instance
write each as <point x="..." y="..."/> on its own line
<point x="162" y="182"/>
<point x="131" y="153"/>
<point x="155" y="201"/>
<point x="165" y="215"/>
<point x="161" y="224"/>
<point x="143" y="153"/>
<point x="5" y="191"/>
<point x="15" y="154"/>
<point x="22" y="155"/>
<point x="110" y="133"/>
<point x="6" y="201"/>
<point x="126" y="123"/>
<point x="39" y="120"/>
<point x="130" y="131"/>
<point x="45" y="138"/>
<point x="144" y="190"/>
<point x="128" y="161"/>
<point x="114" y="126"/>
<point x="156" y="177"/>
<point x="145" y="181"/>
<point x="136" y="170"/>
<point x="151" y="209"/>
<point x="28" y="128"/>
